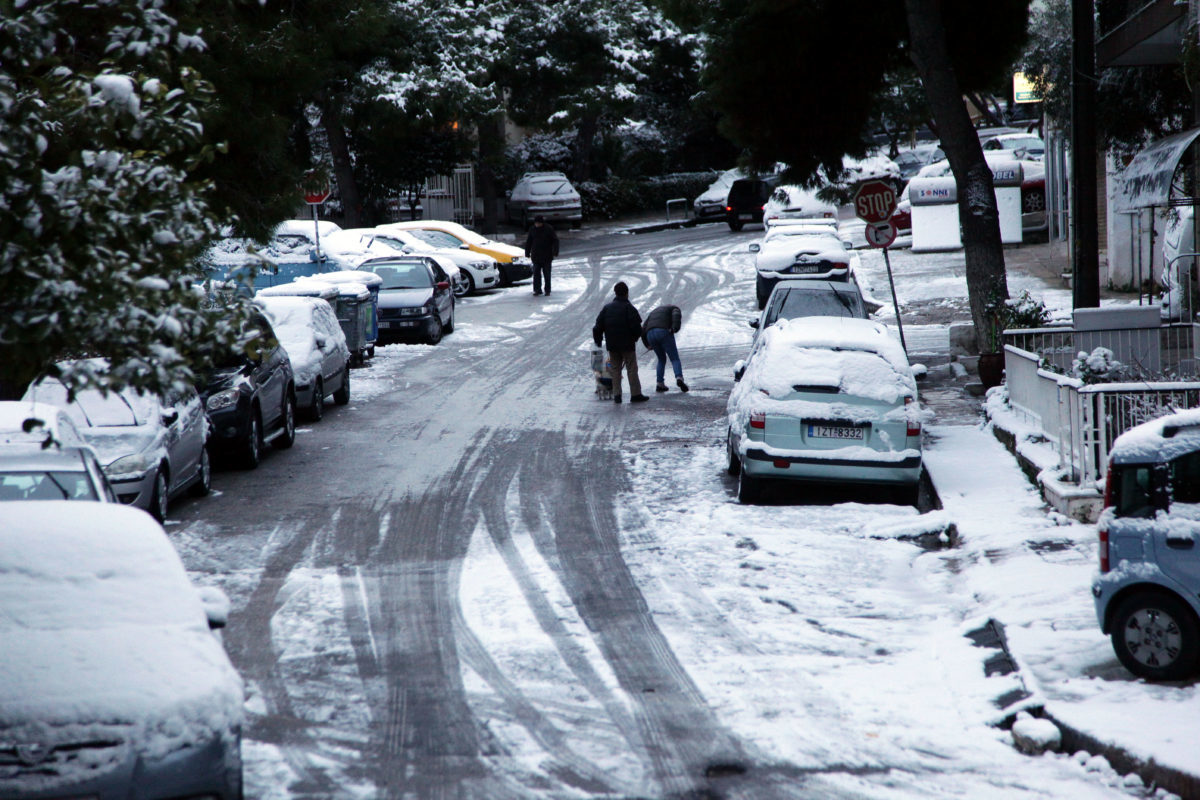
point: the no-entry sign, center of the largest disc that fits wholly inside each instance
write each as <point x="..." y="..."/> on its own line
<point x="875" y="201"/>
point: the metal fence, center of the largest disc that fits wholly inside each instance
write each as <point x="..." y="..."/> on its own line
<point x="1168" y="352"/>
<point x="451" y="197"/>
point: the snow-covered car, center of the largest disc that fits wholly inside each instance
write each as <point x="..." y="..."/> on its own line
<point x="23" y="423"/>
<point x="712" y="201"/>
<point x="1023" y="146"/>
<point x="791" y="299"/>
<point x="825" y="399"/>
<point x="476" y="270"/>
<point x="1147" y="590"/>
<point x="793" y="202"/>
<point x="115" y="684"/>
<point x="415" y="300"/>
<point x="152" y="448"/>
<point x="544" y="194"/>
<point x="912" y="159"/>
<point x="316" y="346"/>
<point x="513" y="264"/>
<point x="32" y="472"/>
<point x="791" y="252"/>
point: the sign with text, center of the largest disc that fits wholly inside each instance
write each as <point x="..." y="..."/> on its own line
<point x="1023" y="89"/>
<point x="875" y="201"/>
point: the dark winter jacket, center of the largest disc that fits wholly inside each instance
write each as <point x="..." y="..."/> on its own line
<point x="669" y="317"/>
<point x="620" y="324"/>
<point x="541" y="245"/>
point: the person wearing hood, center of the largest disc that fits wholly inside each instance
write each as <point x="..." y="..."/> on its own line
<point x="619" y="326"/>
<point x="658" y="334"/>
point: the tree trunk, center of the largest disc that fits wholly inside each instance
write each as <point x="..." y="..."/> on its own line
<point x="491" y="153"/>
<point x="588" y="125"/>
<point x="343" y="167"/>
<point x="987" y="284"/>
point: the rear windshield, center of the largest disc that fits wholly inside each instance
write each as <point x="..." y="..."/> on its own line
<point x="819" y="304"/>
<point x="550" y="187"/>
<point x="54" y="485"/>
<point x="749" y="191"/>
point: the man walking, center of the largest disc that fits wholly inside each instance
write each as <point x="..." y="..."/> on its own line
<point x="620" y="325"/>
<point x="541" y="247"/>
<point x="658" y="334"/>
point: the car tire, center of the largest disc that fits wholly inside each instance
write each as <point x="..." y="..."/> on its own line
<point x="470" y="283"/>
<point x="288" y="422"/>
<point x="161" y="494"/>
<point x="342" y="395"/>
<point x="317" y="410"/>
<point x="449" y="328"/>
<point x="735" y="464"/>
<point x="749" y="489"/>
<point x="434" y="335"/>
<point x="371" y="351"/>
<point x="203" y="484"/>
<point x="251" y="451"/>
<point x="461" y="285"/>
<point x="736" y="226"/>
<point x="1156" y="636"/>
<point x="505" y="276"/>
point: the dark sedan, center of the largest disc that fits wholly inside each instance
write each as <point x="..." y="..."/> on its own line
<point x="415" y="300"/>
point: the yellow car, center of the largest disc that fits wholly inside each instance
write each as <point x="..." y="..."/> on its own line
<point x="513" y="264"/>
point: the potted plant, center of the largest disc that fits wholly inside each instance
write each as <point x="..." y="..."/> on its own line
<point x="1021" y="312"/>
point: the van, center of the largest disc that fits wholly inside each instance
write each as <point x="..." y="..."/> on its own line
<point x="1147" y="590"/>
<point x="746" y="200"/>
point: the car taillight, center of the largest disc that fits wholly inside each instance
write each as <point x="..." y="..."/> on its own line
<point x="1103" y="550"/>
<point x="1108" y="487"/>
<point x="914" y="422"/>
<point x="758" y="420"/>
<point x="729" y="208"/>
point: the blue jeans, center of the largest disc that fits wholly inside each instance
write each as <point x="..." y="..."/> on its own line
<point x="662" y="342"/>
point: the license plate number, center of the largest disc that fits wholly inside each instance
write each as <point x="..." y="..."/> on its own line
<point x="836" y="432"/>
<point x="745" y="216"/>
<point x="805" y="269"/>
<point x="384" y="324"/>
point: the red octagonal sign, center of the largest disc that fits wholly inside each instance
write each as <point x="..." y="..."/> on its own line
<point x="875" y="201"/>
<point x="317" y="196"/>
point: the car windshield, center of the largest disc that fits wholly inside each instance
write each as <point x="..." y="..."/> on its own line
<point x="403" y="276"/>
<point x="800" y="303"/>
<point x="438" y="238"/>
<point x="93" y="409"/>
<point x="550" y="187"/>
<point x="53" y="485"/>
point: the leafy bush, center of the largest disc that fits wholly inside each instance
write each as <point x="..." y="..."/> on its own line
<point x="1098" y="366"/>
<point x="618" y="197"/>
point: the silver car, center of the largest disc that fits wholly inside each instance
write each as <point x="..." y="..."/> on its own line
<point x="152" y="449"/>
<point x="31" y="472"/>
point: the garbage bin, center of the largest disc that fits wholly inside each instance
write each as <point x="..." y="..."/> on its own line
<point x="372" y="282"/>
<point x="1007" y="176"/>
<point x="935" y="223"/>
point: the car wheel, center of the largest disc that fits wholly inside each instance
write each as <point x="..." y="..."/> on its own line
<point x="735" y="464"/>
<point x="288" y="437"/>
<point x="505" y="276"/>
<point x="450" y="322"/>
<point x="749" y="489"/>
<point x="461" y="284"/>
<point x="203" y="484"/>
<point x="435" y="331"/>
<point x="371" y="351"/>
<point x="736" y="226"/>
<point x="317" y="409"/>
<point x="1156" y="636"/>
<point x="161" y="494"/>
<point x="470" y="283"/>
<point x="252" y="447"/>
<point x="342" y="395"/>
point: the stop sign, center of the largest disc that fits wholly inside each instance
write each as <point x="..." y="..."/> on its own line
<point x="875" y="201"/>
<point x="315" y="197"/>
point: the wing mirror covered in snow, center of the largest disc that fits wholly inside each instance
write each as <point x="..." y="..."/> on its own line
<point x="739" y="369"/>
<point x="169" y="416"/>
<point x="754" y="324"/>
<point x="320" y="342"/>
<point x="216" y="606"/>
<point x="754" y="248"/>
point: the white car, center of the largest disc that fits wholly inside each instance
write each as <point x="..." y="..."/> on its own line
<point x="788" y="252"/>
<point x="1022" y="145"/>
<point x="309" y="331"/>
<point x="478" y="271"/>
<point x="791" y="202"/>
<point x="825" y="399"/>
<point x="514" y="265"/>
<point x="711" y="202"/>
<point x="115" y="684"/>
<point x="544" y="194"/>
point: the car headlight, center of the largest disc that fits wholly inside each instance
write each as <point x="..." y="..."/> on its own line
<point x="481" y="265"/>
<point x="224" y="399"/>
<point x="130" y="467"/>
<point x="412" y="312"/>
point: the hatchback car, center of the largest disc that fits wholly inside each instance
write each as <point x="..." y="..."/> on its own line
<point x="514" y="266"/>
<point x="1147" y="591"/>
<point x="415" y="300"/>
<point x="795" y="299"/>
<point x="794" y="252"/>
<point x="544" y="194"/>
<point x="153" y="449"/>
<point x="32" y="472"/>
<point x="747" y="199"/>
<point x="825" y="399"/>
<point x="114" y="683"/>
<point x="316" y="347"/>
<point x="710" y="205"/>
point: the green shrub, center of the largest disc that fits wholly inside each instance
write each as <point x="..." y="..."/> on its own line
<point x="619" y="197"/>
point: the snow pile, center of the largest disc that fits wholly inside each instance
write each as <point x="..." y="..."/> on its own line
<point x="1035" y="736"/>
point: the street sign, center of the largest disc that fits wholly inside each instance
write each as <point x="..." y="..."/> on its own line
<point x="315" y="197"/>
<point x="874" y="201"/>
<point x="880" y="234"/>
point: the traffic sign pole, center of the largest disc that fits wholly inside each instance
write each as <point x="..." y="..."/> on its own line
<point x="316" y="230"/>
<point x="874" y="203"/>
<point x="895" y="302"/>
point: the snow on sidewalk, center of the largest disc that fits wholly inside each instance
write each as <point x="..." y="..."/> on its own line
<point x="1031" y="568"/>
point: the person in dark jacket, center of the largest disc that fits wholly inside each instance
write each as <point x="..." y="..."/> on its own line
<point x="541" y="247"/>
<point x="658" y="334"/>
<point x="620" y="326"/>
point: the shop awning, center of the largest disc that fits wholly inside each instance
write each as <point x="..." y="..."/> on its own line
<point x="1146" y="182"/>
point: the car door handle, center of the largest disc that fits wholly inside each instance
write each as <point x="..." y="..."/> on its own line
<point x="1181" y="544"/>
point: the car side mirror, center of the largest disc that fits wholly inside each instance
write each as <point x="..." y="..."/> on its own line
<point x="443" y="285"/>
<point x="739" y="369"/>
<point x="321" y="342"/>
<point x="754" y="324"/>
<point x="920" y="372"/>
<point x="846" y="243"/>
<point x="170" y="416"/>
<point x="464" y="246"/>
<point x="216" y="606"/>
<point x="754" y="248"/>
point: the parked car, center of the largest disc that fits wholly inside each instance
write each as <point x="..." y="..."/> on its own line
<point x="476" y="270"/>
<point x="793" y="252"/>
<point x="153" y="449"/>
<point x="514" y="266"/>
<point x="246" y="267"/>
<point x="1024" y="146"/>
<point x="415" y="300"/>
<point x="710" y="205"/>
<point x="792" y="299"/>
<point x="316" y="347"/>
<point x="546" y="194"/>
<point x="114" y="683"/>
<point x="251" y="396"/>
<point x="825" y="399"/>
<point x="747" y="199"/>
<point x="32" y="472"/>
<point x="1147" y="591"/>
<point x="22" y="422"/>
<point x="791" y="202"/>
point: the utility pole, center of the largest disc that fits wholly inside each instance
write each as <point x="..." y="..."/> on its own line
<point x="1084" y="209"/>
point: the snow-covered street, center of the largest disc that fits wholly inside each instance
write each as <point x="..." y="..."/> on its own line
<point x="479" y="581"/>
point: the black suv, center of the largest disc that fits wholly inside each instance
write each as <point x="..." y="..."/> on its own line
<point x="251" y="398"/>
<point x="747" y="196"/>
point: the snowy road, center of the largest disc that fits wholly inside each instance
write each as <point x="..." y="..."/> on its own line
<point x="478" y="581"/>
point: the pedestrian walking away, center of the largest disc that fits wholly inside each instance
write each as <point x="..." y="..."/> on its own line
<point x="541" y="247"/>
<point x="619" y="326"/>
<point x="658" y="334"/>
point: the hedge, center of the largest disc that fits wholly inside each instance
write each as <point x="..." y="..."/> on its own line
<point x="618" y="197"/>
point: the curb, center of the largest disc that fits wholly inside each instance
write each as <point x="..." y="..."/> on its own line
<point x="654" y="227"/>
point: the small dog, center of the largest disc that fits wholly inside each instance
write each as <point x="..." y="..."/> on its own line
<point x="600" y="365"/>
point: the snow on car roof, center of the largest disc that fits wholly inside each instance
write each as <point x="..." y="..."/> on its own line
<point x="360" y="276"/>
<point x="788" y="337"/>
<point x="1149" y="441"/>
<point x="306" y="228"/>
<point x="316" y="289"/>
<point x="13" y="414"/>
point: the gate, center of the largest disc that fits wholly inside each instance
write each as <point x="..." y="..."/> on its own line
<point x="451" y="197"/>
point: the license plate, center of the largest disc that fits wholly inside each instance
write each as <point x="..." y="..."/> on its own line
<point x="836" y="432"/>
<point x="745" y="216"/>
<point x="384" y="324"/>
<point x="805" y="269"/>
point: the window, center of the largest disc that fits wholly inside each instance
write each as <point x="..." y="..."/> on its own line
<point x="1132" y="484"/>
<point x="1185" y="478"/>
<point x="438" y="238"/>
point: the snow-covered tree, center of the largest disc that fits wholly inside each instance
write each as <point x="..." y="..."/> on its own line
<point x="100" y="220"/>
